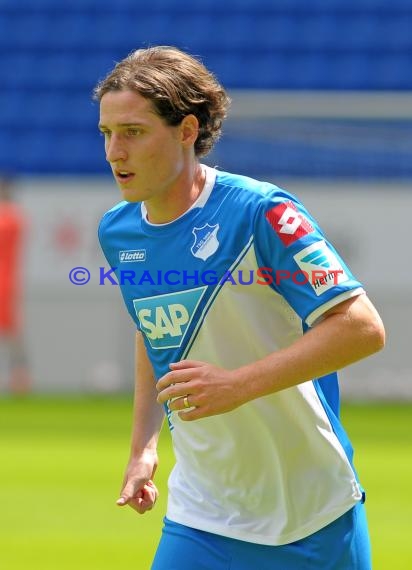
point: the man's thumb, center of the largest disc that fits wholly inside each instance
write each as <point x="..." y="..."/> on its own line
<point x="128" y="493"/>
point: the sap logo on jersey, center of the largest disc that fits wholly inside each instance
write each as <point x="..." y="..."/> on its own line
<point x="322" y="265"/>
<point x="165" y="319"/>
<point x="132" y="255"/>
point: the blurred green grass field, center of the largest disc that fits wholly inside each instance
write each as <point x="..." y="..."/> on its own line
<point x="61" y="466"/>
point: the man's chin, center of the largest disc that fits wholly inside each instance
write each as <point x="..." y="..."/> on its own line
<point x="130" y="195"/>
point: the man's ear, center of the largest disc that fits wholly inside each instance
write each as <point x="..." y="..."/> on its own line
<point x="189" y="130"/>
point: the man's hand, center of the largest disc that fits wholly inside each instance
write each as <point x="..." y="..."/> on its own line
<point x="197" y="390"/>
<point x="139" y="491"/>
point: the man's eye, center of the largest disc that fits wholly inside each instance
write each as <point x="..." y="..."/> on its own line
<point x="104" y="133"/>
<point x="133" y="132"/>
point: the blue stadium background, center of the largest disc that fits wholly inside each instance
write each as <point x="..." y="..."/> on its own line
<point x="54" y="51"/>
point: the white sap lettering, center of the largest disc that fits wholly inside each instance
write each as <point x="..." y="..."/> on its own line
<point x="179" y="317"/>
<point x="171" y="325"/>
<point x="164" y="324"/>
<point x="150" y="329"/>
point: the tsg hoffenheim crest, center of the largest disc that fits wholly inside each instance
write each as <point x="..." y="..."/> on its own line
<point x="206" y="242"/>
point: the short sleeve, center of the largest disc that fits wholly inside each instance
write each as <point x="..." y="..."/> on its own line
<point x="111" y="255"/>
<point x="297" y="261"/>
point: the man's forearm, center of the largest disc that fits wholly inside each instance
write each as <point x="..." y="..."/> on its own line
<point x="148" y="418"/>
<point x="148" y="415"/>
<point x="348" y="332"/>
<point x="342" y="338"/>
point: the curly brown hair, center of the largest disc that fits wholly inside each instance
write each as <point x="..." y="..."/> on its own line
<point x="177" y="84"/>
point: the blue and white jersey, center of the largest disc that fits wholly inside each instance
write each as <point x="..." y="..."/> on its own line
<point x="244" y="272"/>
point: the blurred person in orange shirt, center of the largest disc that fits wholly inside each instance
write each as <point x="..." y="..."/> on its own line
<point x="12" y="231"/>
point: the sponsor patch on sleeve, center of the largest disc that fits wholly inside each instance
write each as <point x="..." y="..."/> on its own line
<point x="288" y="223"/>
<point x="321" y="266"/>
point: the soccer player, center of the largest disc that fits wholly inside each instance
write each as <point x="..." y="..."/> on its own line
<point x="244" y="312"/>
<point x="12" y="230"/>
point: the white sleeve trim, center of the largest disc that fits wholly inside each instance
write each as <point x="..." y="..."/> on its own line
<point x="317" y="313"/>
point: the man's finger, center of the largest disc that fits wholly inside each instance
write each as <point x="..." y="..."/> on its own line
<point x="174" y="377"/>
<point x="194" y="414"/>
<point x="130" y="491"/>
<point x="145" y="499"/>
<point x="186" y="364"/>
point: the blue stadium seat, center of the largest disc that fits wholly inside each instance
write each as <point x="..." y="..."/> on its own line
<point x="277" y="32"/>
<point x="396" y="32"/>
<point x="52" y="54"/>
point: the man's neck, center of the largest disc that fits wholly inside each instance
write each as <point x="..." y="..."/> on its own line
<point x="175" y="203"/>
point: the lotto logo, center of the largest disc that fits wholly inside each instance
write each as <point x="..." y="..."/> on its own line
<point x="132" y="255"/>
<point x="165" y="319"/>
<point x="288" y="223"/>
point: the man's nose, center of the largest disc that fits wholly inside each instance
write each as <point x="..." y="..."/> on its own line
<point x="115" y="150"/>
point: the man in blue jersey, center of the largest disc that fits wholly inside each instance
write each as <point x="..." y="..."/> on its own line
<point x="244" y="312"/>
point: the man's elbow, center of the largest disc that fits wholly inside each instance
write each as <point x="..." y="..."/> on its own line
<point x="368" y="324"/>
<point x="368" y="331"/>
<point x="373" y="335"/>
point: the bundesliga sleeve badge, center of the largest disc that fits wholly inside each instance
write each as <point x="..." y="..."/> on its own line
<point x="289" y="224"/>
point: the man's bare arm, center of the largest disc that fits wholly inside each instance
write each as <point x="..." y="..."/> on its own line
<point x="347" y="333"/>
<point x="138" y="490"/>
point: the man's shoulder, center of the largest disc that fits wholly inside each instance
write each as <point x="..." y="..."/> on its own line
<point x="119" y="212"/>
<point x="117" y="221"/>
<point x="118" y="209"/>
<point x="251" y="190"/>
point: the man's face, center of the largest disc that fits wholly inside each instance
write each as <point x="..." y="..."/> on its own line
<point x="145" y="154"/>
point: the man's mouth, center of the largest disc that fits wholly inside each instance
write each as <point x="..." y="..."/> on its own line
<point x="123" y="176"/>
